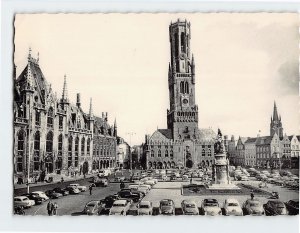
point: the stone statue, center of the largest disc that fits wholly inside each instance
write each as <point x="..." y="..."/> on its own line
<point x="218" y="147"/>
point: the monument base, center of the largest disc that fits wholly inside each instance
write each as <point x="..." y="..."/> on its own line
<point x="222" y="186"/>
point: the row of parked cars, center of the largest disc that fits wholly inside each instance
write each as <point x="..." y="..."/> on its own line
<point x="27" y="200"/>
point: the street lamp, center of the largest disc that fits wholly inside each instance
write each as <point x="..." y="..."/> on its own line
<point x="130" y="156"/>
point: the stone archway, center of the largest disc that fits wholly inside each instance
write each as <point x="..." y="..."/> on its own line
<point x="154" y="165"/>
<point x="149" y="165"/>
<point x="159" y="165"/>
<point x="173" y="164"/>
<point x="164" y="164"/>
<point x="101" y="164"/>
<point x="85" y="167"/>
<point x="168" y="164"/>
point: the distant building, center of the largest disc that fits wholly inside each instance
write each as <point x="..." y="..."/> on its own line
<point x="123" y="153"/>
<point x="232" y="150"/>
<point x="250" y="152"/>
<point x="276" y="125"/>
<point x="295" y="150"/>
<point x="240" y="151"/>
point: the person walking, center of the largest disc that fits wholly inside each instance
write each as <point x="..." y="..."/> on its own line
<point x="252" y="195"/>
<point x="55" y="206"/>
<point x="122" y="185"/>
<point x="91" y="188"/>
<point x="49" y="208"/>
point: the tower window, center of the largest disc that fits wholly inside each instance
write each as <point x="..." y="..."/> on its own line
<point x="182" y="87"/>
<point x="186" y="88"/>
<point x="176" y="44"/>
<point x="182" y="40"/>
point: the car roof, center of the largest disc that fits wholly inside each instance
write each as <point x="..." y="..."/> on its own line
<point x="20" y="197"/>
<point x="122" y="201"/>
<point x="210" y="200"/>
<point x="231" y="200"/>
<point x="189" y="202"/>
<point x="38" y="192"/>
<point x="145" y="202"/>
<point x="93" y="201"/>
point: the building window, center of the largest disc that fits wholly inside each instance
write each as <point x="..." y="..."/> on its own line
<point x="186" y="88"/>
<point x="70" y="145"/>
<point x="82" y="146"/>
<point x="152" y="153"/>
<point x="159" y="153"/>
<point x="76" y="152"/>
<point x="37" y="118"/>
<point x="36" y="157"/>
<point x="88" y="146"/>
<point x="171" y="154"/>
<point x="50" y="118"/>
<point x="60" y="122"/>
<point x="49" y="142"/>
<point x="166" y="153"/>
<point x="209" y="152"/>
<point x="182" y="40"/>
<point x="21" y="140"/>
<point x="203" y="152"/>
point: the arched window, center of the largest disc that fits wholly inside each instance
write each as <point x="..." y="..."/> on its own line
<point x="82" y="146"/>
<point x="76" y="152"/>
<point x="88" y="146"/>
<point x="152" y="153"/>
<point x="171" y="154"/>
<point x="50" y="117"/>
<point x="186" y="88"/>
<point x="182" y="40"/>
<point x="21" y="141"/>
<point x="49" y="142"/>
<point x="203" y="152"/>
<point x="182" y="87"/>
<point x="36" y="147"/>
<point x="176" y="44"/>
<point x="209" y="152"/>
<point x="70" y="145"/>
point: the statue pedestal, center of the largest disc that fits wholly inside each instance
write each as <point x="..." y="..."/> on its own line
<point x="222" y="186"/>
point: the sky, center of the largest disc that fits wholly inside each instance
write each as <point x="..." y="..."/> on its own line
<point x="243" y="62"/>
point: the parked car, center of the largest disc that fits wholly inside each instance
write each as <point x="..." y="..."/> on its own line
<point x="185" y="177"/>
<point x="41" y="194"/>
<point x="72" y="190"/>
<point x="81" y="188"/>
<point x="145" y="208"/>
<point x="232" y="207"/>
<point x="53" y="195"/>
<point x="134" y="178"/>
<point x="189" y="207"/>
<point x="133" y="187"/>
<point x="23" y="201"/>
<point x="61" y="191"/>
<point x="244" y="178"/>
<point x="108" y="201"/>
<point x="143" y="189"/>
<point x="120" y="207"/>
<point x="92" y="208"/>
<point x="31" y="196"/>
<point x="128" y="194"/>
<point x="150" y="182"/>
<point x="167" y="207"/>
<point x="292" y="207"/>
<point x="253" y="207"/>
<point x="101" y="182"/>
<point x="210" y="207"/>
<point x="275" y="207"/>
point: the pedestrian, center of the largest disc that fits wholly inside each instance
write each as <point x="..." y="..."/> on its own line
<point x="49" y="208"/>
<point x="252" y="195"/>
<point x="91" y="188"/>
<point x="55" y="206"/>
<point x="62" y="180"/>
<point x="122" y="185"/>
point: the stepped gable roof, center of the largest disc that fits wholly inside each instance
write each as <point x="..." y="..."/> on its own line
<point x="244" y="139"/>
<point x="207" y="134"/>
<point x="265" y="140"/>
<point x="290" y="137"/>
<point x="166" y="132"/>
<point x="250" y="140"/>
<point x="38" y="77"/>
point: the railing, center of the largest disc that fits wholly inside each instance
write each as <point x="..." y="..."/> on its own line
<point x="38" y="105"/>
<point x="183" y="75"/>
<point x="21" y="120"/>
<point x="80" y="130"/>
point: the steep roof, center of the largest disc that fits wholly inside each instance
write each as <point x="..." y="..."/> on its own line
<point x="250" y="140"/>
<point x="265" y="140"/>
<point x="166" y="132"/>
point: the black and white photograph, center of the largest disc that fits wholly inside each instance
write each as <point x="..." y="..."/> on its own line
<point x="161" y="114"/>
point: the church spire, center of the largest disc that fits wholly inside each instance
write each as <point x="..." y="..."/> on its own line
<point x="115" y="128"/>
<point x="64" y="96"/>
<point x="275" y="114"/>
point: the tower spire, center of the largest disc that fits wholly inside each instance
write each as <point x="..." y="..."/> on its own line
<point x="91" y="108"/>
<point x="275" y="114"/>
<point x="65" y="90"/>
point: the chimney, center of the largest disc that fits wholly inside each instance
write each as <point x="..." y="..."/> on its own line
<point x="78" y="100"/>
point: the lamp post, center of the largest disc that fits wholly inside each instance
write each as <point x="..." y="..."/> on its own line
<point x="130" y="155"/>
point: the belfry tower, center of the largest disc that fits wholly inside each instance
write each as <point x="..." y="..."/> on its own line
<point x="182" y="117"/>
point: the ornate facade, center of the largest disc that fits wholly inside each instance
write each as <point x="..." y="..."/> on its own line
<point x="182" y="144"/>
<point x="52" y="135"/>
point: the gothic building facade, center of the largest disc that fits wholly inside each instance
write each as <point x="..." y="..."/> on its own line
<point x="52" y="135"/>
<point x="182" y="144"/>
